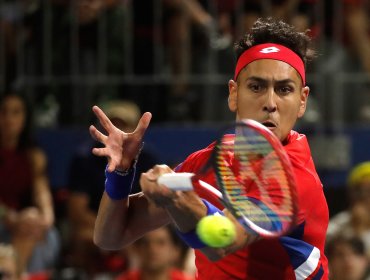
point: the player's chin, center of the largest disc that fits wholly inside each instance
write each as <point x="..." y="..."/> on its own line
<point x="278" y="133"/>
<point x="275" y="130"/>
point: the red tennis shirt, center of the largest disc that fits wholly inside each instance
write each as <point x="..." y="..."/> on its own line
<point x="300" y="255"/>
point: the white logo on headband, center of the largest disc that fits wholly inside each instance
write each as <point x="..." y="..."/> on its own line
<point x="269" y="50"/>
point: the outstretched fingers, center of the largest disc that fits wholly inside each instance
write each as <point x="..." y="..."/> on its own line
<point x="104" y="152"/>
<point x="97" y="135"/>
<point x="101" y="152"/>
<point x="103" y="119"/>
<point x="143" y="124"/>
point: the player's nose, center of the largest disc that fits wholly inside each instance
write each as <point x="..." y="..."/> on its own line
<point x="270" y="104"/>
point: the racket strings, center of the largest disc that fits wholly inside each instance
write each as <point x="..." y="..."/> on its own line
<point x="255" y="175"/>
<point x="267" y="172"/>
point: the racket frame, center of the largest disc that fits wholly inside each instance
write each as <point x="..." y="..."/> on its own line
<point x="190" y="181"/>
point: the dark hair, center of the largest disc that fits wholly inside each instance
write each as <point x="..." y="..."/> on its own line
<point x="355" y="243"/>
<point x="272" y="31"/>
<point x="26" y="138"/>
<point x="177" y="241"/>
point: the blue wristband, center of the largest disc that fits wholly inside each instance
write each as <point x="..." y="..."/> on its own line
<point x="118" y="185"/>
<point x="211" y="209"/>
<point x="191" y="238"/>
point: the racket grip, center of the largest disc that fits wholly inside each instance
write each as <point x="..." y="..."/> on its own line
<point x="177" y="181"/>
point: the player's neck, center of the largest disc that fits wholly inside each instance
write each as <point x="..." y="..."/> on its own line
<point x="156" y="275"/>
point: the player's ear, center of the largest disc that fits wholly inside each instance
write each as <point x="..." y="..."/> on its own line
<point x="233" y="94"/>
<point x="303" y="102"/>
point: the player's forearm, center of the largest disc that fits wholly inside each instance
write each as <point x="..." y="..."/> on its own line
<point x="186" y="212"/>
<point x="242" y="239"/>
<point x="121" y="222"/>
<point x="110" y="223"/>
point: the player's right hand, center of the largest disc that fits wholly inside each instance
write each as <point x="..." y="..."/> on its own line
<point x="160" y="195"/>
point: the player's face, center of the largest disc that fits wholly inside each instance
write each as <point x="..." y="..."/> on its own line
<point x="270" y="92"/>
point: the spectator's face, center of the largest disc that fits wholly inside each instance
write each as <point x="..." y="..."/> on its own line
<point x="361" y="193"/>
<point x="345" y="264"/>
<point x="270" y="92"/>
<point x="122" y="125"/>
<point x="156" y="250"/>
<point x="8" y="269"/>
<point x="12" y="117"/>
<point x="89" y="10"/>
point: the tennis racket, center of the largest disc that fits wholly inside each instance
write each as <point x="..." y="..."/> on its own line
<point x="254" y="176"/>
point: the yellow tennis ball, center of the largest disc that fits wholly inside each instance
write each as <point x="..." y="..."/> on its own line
<point x="216" y="231"/>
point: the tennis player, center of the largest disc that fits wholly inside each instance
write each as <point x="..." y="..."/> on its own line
<point x="269" y="86"/>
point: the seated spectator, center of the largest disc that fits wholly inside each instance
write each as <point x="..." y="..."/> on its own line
<point x="86" y="187"/>
<point x="157" y="253"/>
<point x="27" y="214"/>
<point x="8" y="263"/>
<point x="356" y="33"/>
<point x="186" y="29"/>
<point x="356" y="220"/>
<point x="299" y="13"/>
<point x="347" y="259"/>
<point x="356" y="24"/>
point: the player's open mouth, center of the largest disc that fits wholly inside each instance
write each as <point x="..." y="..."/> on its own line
<point x="269" y="124"/>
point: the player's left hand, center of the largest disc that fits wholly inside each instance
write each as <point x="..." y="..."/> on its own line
<point x="121" y="148"/>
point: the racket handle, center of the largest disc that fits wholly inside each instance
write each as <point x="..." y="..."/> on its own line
<point x="177" y="181"/>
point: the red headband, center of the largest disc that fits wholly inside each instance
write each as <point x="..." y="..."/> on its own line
<point x="271" y="51"/>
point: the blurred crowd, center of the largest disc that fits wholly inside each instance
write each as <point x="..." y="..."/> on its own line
<point x="39" y="241"/>
<point x="172" y="57"/>
<point x="56" y="55"/>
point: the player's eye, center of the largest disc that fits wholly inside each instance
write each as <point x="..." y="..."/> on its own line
<point x="255" y="87"/>
<point x="283" y="90"/>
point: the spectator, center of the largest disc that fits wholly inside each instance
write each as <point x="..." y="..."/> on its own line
<point x="186" y="29"/>
<point x="9" y="269"/>
<point x="13" y="36"/>
<point x="356" y="39"/>
<point x="72" y="39"/>
<point x="190" y="23"/>
<point x="86" y="187"/>
<point x="347" y="259"/>
<point x="356" y="220"/>
<point x="157" y="253"/>
<point x="27" y="214"/>
<point x="299" y="13"/>
<point x="356" y="23"/>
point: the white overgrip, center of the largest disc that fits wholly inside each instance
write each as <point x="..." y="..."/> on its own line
<point x="177" y="181"/>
